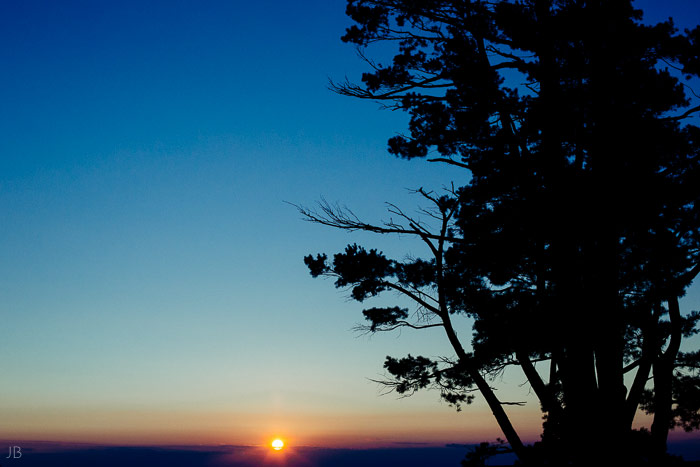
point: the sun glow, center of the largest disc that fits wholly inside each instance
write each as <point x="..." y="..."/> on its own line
<point x="277" y="444"/>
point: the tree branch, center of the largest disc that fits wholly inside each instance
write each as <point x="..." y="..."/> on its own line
<point x="345" y="219"/>
<point x="399" y="324"/>
<point x="354" y="90"/>
<point x="631" y="366"/>
<point x="690" y="275"/>
<point x="674" y="314"/>
<point x="413" y="297"/>
<point x="449" y="161"/>
<point x="685" y="114"/>
<point x="544" y="394"/>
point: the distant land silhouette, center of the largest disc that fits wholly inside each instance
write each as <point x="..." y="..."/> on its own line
<point x="65" y="455"/>
<point x="234" y="456"/>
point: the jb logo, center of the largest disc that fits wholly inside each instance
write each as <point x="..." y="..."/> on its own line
<point x="15" y="452"/>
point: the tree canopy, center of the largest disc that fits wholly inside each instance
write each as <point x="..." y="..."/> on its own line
<point x="577" y="228"/>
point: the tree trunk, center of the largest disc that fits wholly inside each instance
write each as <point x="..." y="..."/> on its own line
<point x="662" y="409"/>
<point x="663" y="384"/>
<point x="608" y="336"/>
<point x="494" y="404"/>
<point x="644" y="367"/>
<point x="580" y="417"/>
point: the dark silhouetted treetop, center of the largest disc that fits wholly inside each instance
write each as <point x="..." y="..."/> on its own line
<point x="576" y="226"/>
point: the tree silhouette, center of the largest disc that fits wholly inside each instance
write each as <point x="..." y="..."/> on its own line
<point x="577" y="229"/>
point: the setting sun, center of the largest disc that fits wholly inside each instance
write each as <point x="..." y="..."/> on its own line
<point x="277" y="444"/>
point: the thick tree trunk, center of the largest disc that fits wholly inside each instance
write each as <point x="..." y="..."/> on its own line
<point x="499" y="414"/>
<point x="611" y="433"/>
<point x="468" y="363"/>
<point x="662" y="409"/>
<point x="544" y="394"/>
<point x="644" y="367"/>
<point x="494" y="404"/>
<point x="608" y="336"/>
<point x="578" y="381"/>
<point x="663" y="384"/>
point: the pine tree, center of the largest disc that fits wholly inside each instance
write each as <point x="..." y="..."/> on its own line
<point x="578" y="229"/>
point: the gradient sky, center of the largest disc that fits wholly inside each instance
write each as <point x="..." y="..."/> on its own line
<point x="152" y="287"/>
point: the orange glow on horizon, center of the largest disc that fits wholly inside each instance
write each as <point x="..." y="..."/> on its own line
<point x="357" y="430"/>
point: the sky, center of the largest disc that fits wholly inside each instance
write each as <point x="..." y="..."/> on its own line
<point x="152" y="286"/>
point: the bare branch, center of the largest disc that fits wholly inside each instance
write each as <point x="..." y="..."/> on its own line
<point x="531" y="88"/>
<point x="691" y="90"/>
<point x="631" y="366"/>
<point x="691" y="274"/>
<point x="685" y="114"/>
<point x="421" y="293"/>
<point x="344" y="218"/>
<point x="399" y="324"/>
<point x="413" y="297"/>
<point x="355" y="90"/>
<point x="449" y="161"/>
<point x="501" y="53"/>
<point x="675" y="67"/>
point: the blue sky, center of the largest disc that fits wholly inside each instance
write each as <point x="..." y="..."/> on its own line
<point x="148" y="260"/>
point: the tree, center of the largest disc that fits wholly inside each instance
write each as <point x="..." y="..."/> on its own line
<point x="578" y="228"/>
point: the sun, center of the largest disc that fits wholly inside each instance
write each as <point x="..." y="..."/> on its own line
<point x="277" y="444"/>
